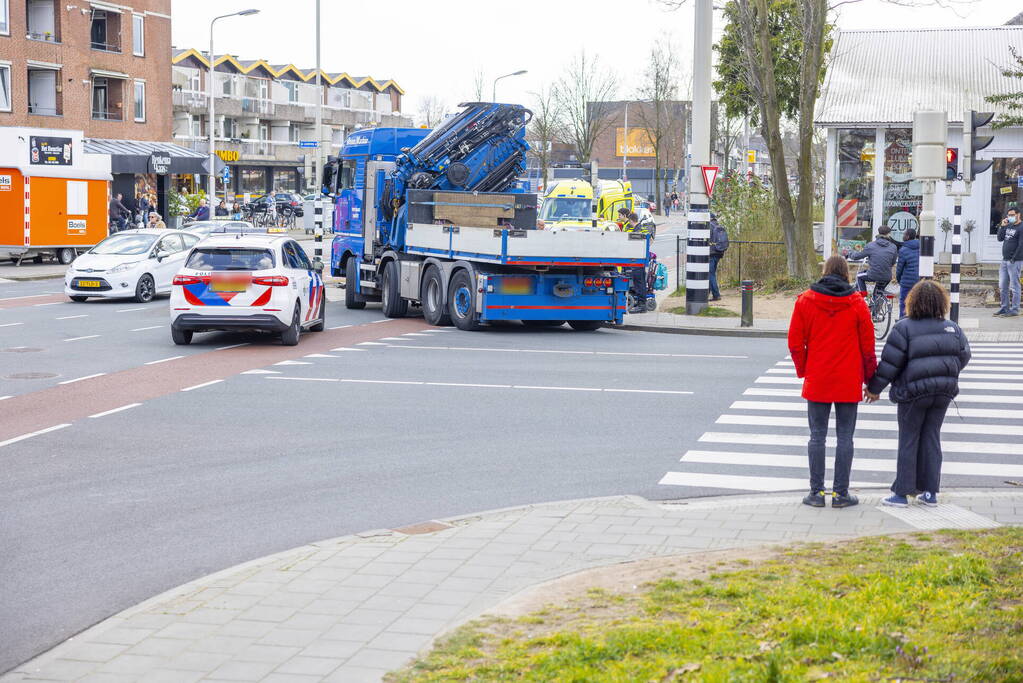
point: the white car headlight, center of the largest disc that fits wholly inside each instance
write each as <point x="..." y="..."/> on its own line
<point x="123" y="267"/>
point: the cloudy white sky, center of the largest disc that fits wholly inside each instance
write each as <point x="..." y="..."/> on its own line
<point x="435" y="48"/>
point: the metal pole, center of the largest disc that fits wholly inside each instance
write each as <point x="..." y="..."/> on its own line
<point x="211" y="181"/>
<point x="678" y="260"/>
<point x="625" y="145"/>
<point x="318" y="155"/>
<point x="957" y="221"/>
<point x="747" y="303"/>
<point x="698" y="248"/>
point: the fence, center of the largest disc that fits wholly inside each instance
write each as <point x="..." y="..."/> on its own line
<point x="759" y="262"/>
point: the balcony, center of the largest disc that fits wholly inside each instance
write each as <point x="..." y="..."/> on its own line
<point x="189" y="99"/>
<point x="252" y="105"/>
<point x="106" y="114"/>
<point x="253" y="150"/>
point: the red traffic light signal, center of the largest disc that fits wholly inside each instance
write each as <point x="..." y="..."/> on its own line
<point x="951" y="163"/>
<point x="951" y="155"/>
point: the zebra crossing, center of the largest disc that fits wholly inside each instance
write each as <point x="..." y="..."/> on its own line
<point x="759" y="444"/>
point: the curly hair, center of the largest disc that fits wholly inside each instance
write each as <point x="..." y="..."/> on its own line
<point x="927" y="299"/>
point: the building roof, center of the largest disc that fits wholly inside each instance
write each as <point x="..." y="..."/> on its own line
<point x="884" y="76"/>
<point x="277" y="70"/>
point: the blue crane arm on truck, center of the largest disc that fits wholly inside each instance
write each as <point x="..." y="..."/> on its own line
<point x="439" y="219"/>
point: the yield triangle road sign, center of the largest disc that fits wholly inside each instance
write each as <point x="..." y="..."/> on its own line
<point x="710" y="174"/>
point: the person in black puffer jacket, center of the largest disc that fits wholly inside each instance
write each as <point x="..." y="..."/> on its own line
<point x="921" y="360"/>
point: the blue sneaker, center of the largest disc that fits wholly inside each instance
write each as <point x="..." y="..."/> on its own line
<point x="927" y="498"/>
<point x="896" y="501"/>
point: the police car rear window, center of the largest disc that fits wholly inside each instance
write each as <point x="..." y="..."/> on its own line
<point x="230" y="258"/>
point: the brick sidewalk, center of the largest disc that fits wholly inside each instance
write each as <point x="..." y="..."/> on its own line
<point x="353" y="608"/>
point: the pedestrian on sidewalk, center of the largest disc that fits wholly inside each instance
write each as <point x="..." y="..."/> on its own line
<point x="667" y="205"/>
<point x="718" y="247"/>
<point x="117" y="212"/>
<point x="1010" y="234"/>
<point x="921" y="360"/>
<point x="907" y="269"/>
<point x="831" y="339"/>
<point x="155" y="221"/>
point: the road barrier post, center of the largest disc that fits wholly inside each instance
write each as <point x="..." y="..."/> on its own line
<point x="678" y="259"/>
<point x="747" y="304"/>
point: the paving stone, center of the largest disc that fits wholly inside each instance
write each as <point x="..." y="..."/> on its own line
<point x="371" y="617"/>
<point x="332" y="649"/>
<point x="276" y="677"/>
<point x="62" y="669"/>
<point x="132" y="664"/>
<point x="290" y="637"/>
<point x="353" y="632"/>
<point x="356" y="674"/>
<point x="427" y="627"/>
<point x="246" y="629"/>
<point x="92" y="651"/>
<point x="172" y="676"/>
<point x="366" y="580"/>
<point x="191" y="660"/>
<point x="399" y="642"/>
<point x="310" y="622"/>
<point x="161" y="647"/>
<point x="122" y="636"/>
<point x="268" y="613"/>
<point x="242" y="671"/>
<point x="220" y="643"/>
<point x="375" y="657"/>
<point x="309" y="666"/>
<point x="186" y="631"/>
<point x="405" y="590"/>
<point x="297" y="601"/>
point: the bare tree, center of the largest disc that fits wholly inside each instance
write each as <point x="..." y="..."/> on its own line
<point x="545" y="128"/>
<point x="479" y="86"/>
<point x="431" y="110"/>
<point x="583" y="98"/>
<point x="729" y="130"/>
<point x="659" y="111"/>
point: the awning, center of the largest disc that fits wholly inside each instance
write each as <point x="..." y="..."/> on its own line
<point x="135" y="156"/>
<point x="109" y="74"/>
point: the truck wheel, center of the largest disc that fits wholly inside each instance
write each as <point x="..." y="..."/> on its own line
<point x="319" y="326"/>
<point x="145" y="289"/>
<point x="394" y="305"/>
<point x="585" y="325"/>
<point x="432" y="299"/>
<point x="543" y="323"/>
<point x="289" y="337"/>
<point x="462" y="302"/>
<point x="66" y="256"/>
<point x="351" y="275"/>
<point x="181" y="337"/>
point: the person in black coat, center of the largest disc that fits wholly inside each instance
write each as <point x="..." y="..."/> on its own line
<point x="921" y="360"/>
<point x="882" y="254"/>
<point x="907" y="269"/>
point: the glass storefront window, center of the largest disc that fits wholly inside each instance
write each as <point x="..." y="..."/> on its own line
<point x="285" y="180"/>
<point x="252" y="181"/>
<point x="854" y="210"/>
<point x="1006" y="192"/>
<point x="902" y="198"/>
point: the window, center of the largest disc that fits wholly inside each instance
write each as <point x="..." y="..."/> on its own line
<point x="5" y="27"/>
<point x="5" y="85"/>
<point x="42" y="92"/>
<point x="106" y="98"/>
<point x="105" y="30"/>
<point x="140" y="100"/>
<point x="42" y="23"/>
<point x="138" y="35"/>
<point x="285" y="180"/>
<point x="292" y="88"/>
<point x="294" y="133"/>
<point x="854" y="213"/>
<point x="236" y="258"/>
<point x="77" y="198"/>
<point x="902" y="199"/>
<point x="171" y="244"/>
<point x="252" y="180"/>
<point x="190" y="240"/>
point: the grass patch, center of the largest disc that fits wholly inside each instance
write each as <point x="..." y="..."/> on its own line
<point x="784" y="283"/>
<point x="945" y="606"/>
<point x="679" y="291"/>
<point x="709" y="312"/>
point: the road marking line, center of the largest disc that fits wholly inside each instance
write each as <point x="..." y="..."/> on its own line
<point x="587" y="353"/>
<point x="371" y="344"/>
<point x="4" y="398"/>
<point x="377" y="381"/>
<point x="320" y="355"/>
<point x="526" y="386"/>
<point x="379" y="321"/>
<point x="800" y="407"/>
<point x="338" y="327"/>
<point x="129" y="310"/>
<point x="293" y="362"/>
<point x="79" y="379"/>
<point x="467" y="384"/>
<point x="979" y="469"/>
<point x="116" y="410"/>
<point x="231" y="346"/>
<point x="392" y="339"/>
<point x="31" y="434"/>
<point x="877" y="425"/>
<point x="27" y="296"/>
<point x="345" y="348"/>
<point x="961" y="398"/>
<point x="72" y="317"/>
<point x="415" y="334"/>
<point x="52" y="303"/>
<point x="648" y="391"/>
<point x="261" y="372"/>
<point x="140" y="329"/>
<point x="163" y="360"/>
<point x="88" y="336"/>
<point x="11" y="324"/>
<point x="1008" y="375"/>
<point x="307" y="379"/>
<point x="731" y="481"/>
<point x="861" y="443"/>
<point x="204" y="384"/>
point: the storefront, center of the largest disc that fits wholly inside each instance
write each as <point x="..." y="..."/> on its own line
<point x="254" y="178"/>
<point x="868" y="122"/>
<point x="144" y="172"/>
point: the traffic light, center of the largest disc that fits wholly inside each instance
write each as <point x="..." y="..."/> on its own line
<point x="951" y="163"/>
<point x="973" y="143"/>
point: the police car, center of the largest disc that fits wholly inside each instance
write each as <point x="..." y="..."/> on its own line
<point x="247" y="282"/>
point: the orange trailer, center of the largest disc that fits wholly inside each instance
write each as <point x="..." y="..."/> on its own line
<point x="53" y="196"/>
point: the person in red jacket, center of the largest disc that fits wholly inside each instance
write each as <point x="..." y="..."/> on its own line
<point x="831" y="339"/>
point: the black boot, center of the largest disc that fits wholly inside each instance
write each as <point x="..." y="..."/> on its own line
<point x="814" y="499"/>
<point x="844" y="500"/>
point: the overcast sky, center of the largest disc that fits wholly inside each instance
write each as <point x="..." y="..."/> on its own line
<point x="435" y="48"/>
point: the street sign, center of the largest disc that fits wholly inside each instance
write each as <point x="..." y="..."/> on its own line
<point x="308" y="143"/>
<point x="710" y="174"/>
<point x="226" y="173"/>
<point x="751" y="156"/>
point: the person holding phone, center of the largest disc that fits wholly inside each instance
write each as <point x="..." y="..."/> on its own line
<point x="1010" y="234"/>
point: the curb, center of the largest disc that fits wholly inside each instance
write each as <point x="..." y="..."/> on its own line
<point x="707" y="331"/>
<point x="30" y="278"/>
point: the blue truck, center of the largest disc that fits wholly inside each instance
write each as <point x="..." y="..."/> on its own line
<point x="440" y="219"/>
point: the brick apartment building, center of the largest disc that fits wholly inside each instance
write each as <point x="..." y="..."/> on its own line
<point x="99" y="67"/>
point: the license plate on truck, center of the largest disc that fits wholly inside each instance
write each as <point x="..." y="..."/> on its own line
<point x="515" y="285"/>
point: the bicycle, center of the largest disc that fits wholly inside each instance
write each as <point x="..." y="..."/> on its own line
<point x="879" y="303"/>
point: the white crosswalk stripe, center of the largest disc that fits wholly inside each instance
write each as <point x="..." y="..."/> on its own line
<point x="759" y="443"/>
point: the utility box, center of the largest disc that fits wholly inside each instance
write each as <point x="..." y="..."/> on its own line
<point x="53" y="196"/>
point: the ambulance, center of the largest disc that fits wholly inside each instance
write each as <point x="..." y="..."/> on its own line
<point x="53" y="196"/>
<point x="571" y="205"/>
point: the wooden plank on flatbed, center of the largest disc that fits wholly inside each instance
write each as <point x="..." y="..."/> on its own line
<point x="481" y="211"/>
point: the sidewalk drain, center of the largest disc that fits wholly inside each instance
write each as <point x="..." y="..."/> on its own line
<point x="21" y="349"/>
<point x="31" y="375"/>
<point x="422" y="528"/>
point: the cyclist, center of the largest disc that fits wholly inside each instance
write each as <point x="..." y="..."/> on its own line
<point x="881" y="254"/>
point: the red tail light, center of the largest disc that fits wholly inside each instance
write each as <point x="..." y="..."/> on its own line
<point x="607" y="282"/>
<point x="588" y="282"/>
<point x="271" y="281"/>
<point x="186" y="280"/>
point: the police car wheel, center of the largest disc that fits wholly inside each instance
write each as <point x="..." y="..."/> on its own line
<point x="181" y="337"/>
<point x="289" y="337"/>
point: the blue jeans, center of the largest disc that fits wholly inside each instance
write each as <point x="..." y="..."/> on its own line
<point x="1008" y="285"/>
<point x="903" y="293"/>
<point x="845" y="425"/>
<point x="667" y="210"/>
<point x="712" y="275"/>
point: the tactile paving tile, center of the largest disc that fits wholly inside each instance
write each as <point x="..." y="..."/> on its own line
<point x="945" y="516"/>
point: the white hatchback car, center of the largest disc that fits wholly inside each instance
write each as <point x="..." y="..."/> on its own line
<point x="131" y="263"/>
<point x="247" y="282"/>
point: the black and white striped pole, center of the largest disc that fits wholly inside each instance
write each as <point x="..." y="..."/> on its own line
<point x="957" y="257"/>
<point x="318" y="167"/>
<point x="698" y="218"/>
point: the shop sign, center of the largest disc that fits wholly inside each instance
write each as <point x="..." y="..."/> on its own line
<point x="228" y="154"/>
<point x="1005" y="190"/>
<point x="5" y="183"/>
<point x="900" y="222"/>
<point x="49" y="151"/>
<point x="159" y="163"/>
<point x="751" y="156"/>
<point x="75" y="226"/>
<point x="1019" y="181"/>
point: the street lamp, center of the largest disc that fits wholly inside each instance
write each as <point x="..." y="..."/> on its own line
<point x="211" y="184"/>
<point x="517" y="73"/>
